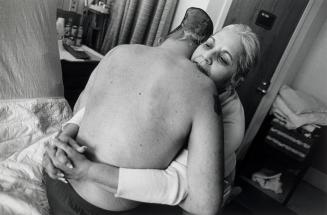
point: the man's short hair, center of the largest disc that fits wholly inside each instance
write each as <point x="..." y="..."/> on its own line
<point x="196" y="26"/>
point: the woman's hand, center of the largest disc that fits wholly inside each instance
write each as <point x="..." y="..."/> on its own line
<point x="58" y="156"/>
<point x="50" y="168"/>
<point x="79" y="165"/>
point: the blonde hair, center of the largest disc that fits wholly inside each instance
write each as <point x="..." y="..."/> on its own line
<point x="249" y="54"/>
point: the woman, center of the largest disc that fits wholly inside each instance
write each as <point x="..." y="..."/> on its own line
<point x="226" y="57"/>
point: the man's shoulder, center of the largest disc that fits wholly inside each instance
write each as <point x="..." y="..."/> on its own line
<point x="207" y="86"/>
<point x="128" y="49"/>
<point x="132" y="46"/>
<point x="206" y="94"/>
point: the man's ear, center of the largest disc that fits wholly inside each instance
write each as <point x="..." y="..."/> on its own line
<point x="159" y="41"/>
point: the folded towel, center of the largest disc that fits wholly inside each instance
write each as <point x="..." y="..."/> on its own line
<point x="269" y="180"/>
<point x="286" y="148"/>
<point x="292" y="120"/>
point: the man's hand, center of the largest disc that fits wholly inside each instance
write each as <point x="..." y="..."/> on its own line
<point x="78" y="170"/>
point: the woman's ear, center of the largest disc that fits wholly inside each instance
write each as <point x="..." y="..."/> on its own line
<point x="236" y="80"/>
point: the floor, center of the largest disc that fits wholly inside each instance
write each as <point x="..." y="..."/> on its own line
<point x="306" y="200"/>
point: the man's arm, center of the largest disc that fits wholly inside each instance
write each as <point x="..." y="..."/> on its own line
<point x="206" y="157"/>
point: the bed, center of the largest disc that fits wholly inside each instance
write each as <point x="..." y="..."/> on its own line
<point x="25" y="126"/>
<point x="32" y="107"/>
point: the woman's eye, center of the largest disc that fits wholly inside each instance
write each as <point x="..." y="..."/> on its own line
<point x="223" y="60"/>
<point x="206" y="45"/>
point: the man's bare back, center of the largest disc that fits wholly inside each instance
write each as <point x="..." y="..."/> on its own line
<point x="139" y="113"/>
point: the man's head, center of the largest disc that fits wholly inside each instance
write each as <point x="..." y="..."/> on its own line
<point x="228" y="55"/>
<point x="196" y="27"/>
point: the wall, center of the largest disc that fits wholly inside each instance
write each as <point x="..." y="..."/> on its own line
<point x="312" y="79"/>
<point x="313" y="75"/>
<point x="217" y="9"/>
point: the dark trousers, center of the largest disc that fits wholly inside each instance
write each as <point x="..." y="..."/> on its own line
<point x="63" y="200"/>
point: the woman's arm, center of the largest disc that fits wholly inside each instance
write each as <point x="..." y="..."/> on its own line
<point x="67" y="135"/>
<point x="167" y="186"/>
<point x="154" y="186"/>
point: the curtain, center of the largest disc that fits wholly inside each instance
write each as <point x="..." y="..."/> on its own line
<point x="138" y="22"/>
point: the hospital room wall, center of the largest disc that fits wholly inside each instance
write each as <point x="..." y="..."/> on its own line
<point x="312" y="79"/>
<point x="312" y="76"/>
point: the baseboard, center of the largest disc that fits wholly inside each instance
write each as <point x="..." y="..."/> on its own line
<point x="316" y="178"/>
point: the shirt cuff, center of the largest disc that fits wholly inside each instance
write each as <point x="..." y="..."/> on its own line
<point x="76" y="119"/>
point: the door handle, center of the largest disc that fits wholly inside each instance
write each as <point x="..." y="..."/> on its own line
<point x="263" y="88"/>
<point x="262" y="91"/>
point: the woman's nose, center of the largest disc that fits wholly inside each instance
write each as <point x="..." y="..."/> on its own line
<point x="208" y="58"/>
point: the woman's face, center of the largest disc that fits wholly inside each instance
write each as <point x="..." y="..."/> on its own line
<point x="218" y="56"/>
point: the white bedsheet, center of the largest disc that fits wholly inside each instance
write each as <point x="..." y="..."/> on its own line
<point x="25" y="126"/>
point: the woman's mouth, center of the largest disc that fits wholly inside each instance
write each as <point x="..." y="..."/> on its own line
<point x="200" y="61"/>
<point x="201" y="69"/>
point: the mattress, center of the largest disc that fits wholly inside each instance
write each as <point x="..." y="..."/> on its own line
<point x="26" y="125"/>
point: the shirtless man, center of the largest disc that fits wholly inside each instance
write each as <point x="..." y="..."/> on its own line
<point x="143" y="105"/>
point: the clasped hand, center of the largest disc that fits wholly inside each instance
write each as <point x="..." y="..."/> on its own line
<point x="63" y="159"/>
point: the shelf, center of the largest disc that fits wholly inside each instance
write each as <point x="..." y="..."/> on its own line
<point x="293" y="132"/>
<point x="95" y="25"/>
<point x="284" y="151"/>
<point x="97" y="12"/>
<point x="257" y="201"/>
